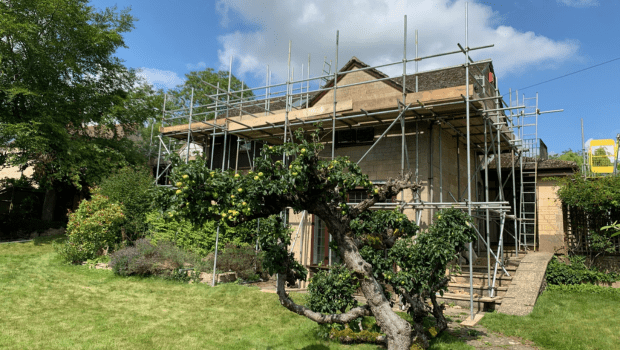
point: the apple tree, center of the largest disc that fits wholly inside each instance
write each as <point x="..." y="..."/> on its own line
<point x="383" y="250"/>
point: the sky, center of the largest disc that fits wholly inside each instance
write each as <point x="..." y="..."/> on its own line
<point x="535" y="41"/>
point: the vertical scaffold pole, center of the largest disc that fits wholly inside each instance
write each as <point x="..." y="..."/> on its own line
<point x="583" y="151"/>
<point x="189" y="126"/>
<point x="308" y="84"/>
<point x="514" y="201"/>
<point x="214" y="123"/>
<point x="217" y="238"/>
<point x="471" y="263"/>
<point x="227" y="115"/>
<point x="335" y="100"/>
<point x="417" y="129"/>
<point x="288" y="83"/>
<point x="486" y="199"/>
<point x="402" y="119"/>
<point x="217" y="233"/>
<point x="440" y="166"/>
<point x="163" y="116"/>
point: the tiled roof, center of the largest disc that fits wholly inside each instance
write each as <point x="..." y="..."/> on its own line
<point x="506" y="161"/>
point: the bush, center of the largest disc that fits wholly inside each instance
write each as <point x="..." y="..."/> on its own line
<point x="147" y="259"/>
<point x="93" y="229"/>
<point x="584" y="288"/>
<point x="332" y="291"/>
<point x="592" y="195"/>
<point x="575" y="272"/>
<point x="200" y="240"/>
<point x="132" y="188"/>
<point x="241" y="259"/>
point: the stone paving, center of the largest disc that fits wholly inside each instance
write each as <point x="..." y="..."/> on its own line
<point x="526" y="285"/>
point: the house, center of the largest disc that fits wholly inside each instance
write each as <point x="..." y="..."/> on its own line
<point x="389" y="125"/>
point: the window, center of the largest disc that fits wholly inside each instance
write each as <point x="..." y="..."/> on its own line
<point x="357" y="196"/>
<point x="355" y="137"/>
<point x="320" y="244"/>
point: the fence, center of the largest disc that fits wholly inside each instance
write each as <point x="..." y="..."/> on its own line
<point x="580" y="225"/>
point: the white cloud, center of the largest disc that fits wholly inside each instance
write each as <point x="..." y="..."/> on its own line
<point x="160" y="78"/>
<point x="222" y="8"/>
<point x="198" y="66"/>
<point x="372" y="30"/>
<point x="578" y="3"/>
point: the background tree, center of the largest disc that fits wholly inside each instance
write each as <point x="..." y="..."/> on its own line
<point x="370" y="243"/>
<point x="66" y="102"/>
<point x="204" y="85"/>
<point x="569" y="155"/>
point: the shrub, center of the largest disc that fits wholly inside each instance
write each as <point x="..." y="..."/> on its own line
<point x="241" y="259"/>
<point x="199" y="239"/>
<point x="93" y="229"/>
<point x="132" y="187"/>
<point x="575" y="272"/>
<point x="584" y="288"/>
<point x="592" y="195"/>
<point x="332" y="291"/>
<point x="147" y="259"/>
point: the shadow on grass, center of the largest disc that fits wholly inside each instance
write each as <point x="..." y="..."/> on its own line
<point x="449" y="340"/>
<point x="315" y="347"/>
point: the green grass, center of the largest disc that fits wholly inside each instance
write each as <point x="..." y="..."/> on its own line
<point x="566" y="320"/>
<point x="47" y="304"/>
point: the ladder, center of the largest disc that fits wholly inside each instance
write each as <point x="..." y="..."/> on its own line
<point x="529" y="174"/>
<point x="327" y="70"/>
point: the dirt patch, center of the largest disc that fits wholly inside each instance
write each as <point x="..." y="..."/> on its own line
<point x="479" y="337"/>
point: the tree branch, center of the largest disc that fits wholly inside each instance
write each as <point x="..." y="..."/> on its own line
<point x="389" y="190"/>
<point x="317" y="316"/>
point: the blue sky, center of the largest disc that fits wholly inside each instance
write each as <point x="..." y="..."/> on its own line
<point x="534" y="41"/>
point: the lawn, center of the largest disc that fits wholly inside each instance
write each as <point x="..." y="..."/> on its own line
<point x="47" y="304"/>
<point x="566" y="320"/>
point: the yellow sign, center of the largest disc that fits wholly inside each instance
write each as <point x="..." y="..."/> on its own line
<point x="601" y="155"/>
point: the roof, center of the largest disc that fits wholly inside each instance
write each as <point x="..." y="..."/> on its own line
<point x="506" y="161"/>
<point x="444" y="78"/>
<point x="430" y="80"/>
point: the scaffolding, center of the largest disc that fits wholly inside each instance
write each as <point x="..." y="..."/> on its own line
<point x="476" y="115"/>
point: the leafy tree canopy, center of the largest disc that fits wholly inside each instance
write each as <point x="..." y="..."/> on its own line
<point x="204" y="84"/>
<point x="65" y="100"/>
<point x="569" y="155"/>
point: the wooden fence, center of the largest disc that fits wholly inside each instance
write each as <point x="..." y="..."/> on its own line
<point x="580" y="224"/>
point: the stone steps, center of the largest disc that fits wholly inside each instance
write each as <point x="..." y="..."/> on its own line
<point x="479" y="289"/>
<point x="458" y="287"/>
<point x="481" y="303"/>
<point x="480" y="278"/>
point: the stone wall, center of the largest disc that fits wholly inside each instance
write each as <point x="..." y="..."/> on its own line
<point x="550" y="218"/>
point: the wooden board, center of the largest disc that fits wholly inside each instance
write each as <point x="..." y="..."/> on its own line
<point x="347" y="107"/>
<point x="302" y="114"/>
